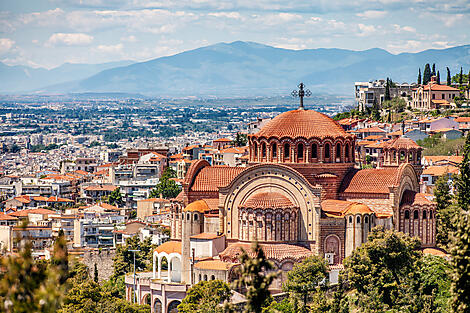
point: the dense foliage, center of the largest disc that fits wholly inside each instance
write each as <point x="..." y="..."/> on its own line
<point x="446" y="212"/>
<point x="124" y="259"/>
<point x="166" y="187"/>
<point x="205" y="297"/>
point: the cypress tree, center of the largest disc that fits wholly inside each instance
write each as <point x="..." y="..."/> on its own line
<point x="461" y="76"/>
<point x="387" y="90"/>
<point x="95" y="274"/>
<point x="433" y="69"/>
<point x="427" y="74"/>
<point x="446" y="212"/>
<point x="419" y="76"/>
<point x="463" y="181"/>
<point x="449" y="81"/>
<point x="438" y="78"/>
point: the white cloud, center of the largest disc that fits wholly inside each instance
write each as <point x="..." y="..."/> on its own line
<point x="372" y="14"/>
<point x="130" y="38"/>
<point x="5" y="45"/>
<point x="45" y="18"/>
<point x="231" y="15"/>
<point x="110" y="48"/>
<point x="401" y="29"/>
<point x="73" y="39"/>
<point x="366" y="30"/>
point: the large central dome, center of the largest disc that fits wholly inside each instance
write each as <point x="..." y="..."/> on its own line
<point x="302" y="123"/>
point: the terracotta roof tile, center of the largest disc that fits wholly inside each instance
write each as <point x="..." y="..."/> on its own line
<point x="302" y="123"/>
<point x="463" y="119"/>
<point x="211" y="177"/>
<point x="371" y="180"/>
<point x="267" y="200"/>
<point x="101" y="188"/>
<point x="217" y="265"/>
<point x="401" y="143"/>
<point x="411" y="198"/>
<point x="169" y="247"/>
<point x="340" y="208"/>
<point x="197" y="206"/>
<point x="278" y="252"/>
<point x="440" y="170"/>
<point x="207" y="236"/>
<point x="435" y="87"/>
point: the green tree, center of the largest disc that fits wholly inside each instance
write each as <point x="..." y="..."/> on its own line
<point x="115" y="198"/>
<point x="27" y="285"/>
<point x="463" y="179"/>
<point x="446" y="212"/>
<point x="461" y="76"/>
<point x="124" y="259"/>
<point x="166" y="186"/>
<point x="205" y="297"/>
<point x="438" y="77"/>
<point x="95" y="274"/>
<point x="305" y="278"/>
<point x="240" y="140"/>
<point x="433" y="73"/>
<point x="461" y="265"/>
<point x="449" y="80"/>
<point x="426" y="74"/>
<point x="383" y="271"/>
<point x="387" y="90"/>
<point x="419" y="76"/>
<point x="255" y="276"/>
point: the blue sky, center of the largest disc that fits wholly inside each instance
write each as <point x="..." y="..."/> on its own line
<point x="48" y="33"/>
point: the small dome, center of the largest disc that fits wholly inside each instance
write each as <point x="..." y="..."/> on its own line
<point x="358" y="208"/>
<point x="302" y="123"/>
<point x="169" y="247"/>
<point x="197" y="206"/>
<point x="267" y="200"/>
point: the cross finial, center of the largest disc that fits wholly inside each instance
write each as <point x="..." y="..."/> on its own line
<point x="301" y="94"/>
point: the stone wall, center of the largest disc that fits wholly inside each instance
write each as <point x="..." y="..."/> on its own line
<point x="103" y="260"/>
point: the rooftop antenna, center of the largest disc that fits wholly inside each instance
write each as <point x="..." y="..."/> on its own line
<point x="301" y="94"/>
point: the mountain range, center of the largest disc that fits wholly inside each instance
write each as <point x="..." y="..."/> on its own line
<point x="235" y="69"/>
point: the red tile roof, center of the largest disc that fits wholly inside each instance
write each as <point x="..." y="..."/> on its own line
<point x="302" y="123"/>
<point x="437" y="87"/>
<point x="207" y="236"/>
<point x="216" y="265"/>
<point x="340" y="208"/>
<point x="401" y="143"/>
<point x="267" y="200"/>
<point x="463" y="119"/>
<point x="197" y="206"/>
<point x="169" y="247"/>
<point x="374" y="129"/>
<point x="440" y="170"/>
<point x="371" y="181"/>
<point x="211" y="177"/>
<point x="413" y="198"/>
<point x="278" y="252"/>
<point x="101" y="188"/>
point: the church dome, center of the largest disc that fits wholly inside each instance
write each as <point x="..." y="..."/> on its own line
<point x="267" y="200"/>
<point x="302" y="123"/>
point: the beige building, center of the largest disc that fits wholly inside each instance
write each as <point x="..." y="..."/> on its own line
<point x="152" y="206"/>
<point x="434" y="96"/>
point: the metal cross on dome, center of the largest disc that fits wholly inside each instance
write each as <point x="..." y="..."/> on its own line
<point x="301" y="94"/>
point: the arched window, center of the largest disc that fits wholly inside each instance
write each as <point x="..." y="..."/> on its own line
<point x="346" y="152"/>
<point x="430" y="214"/>
<point x="188" y="216"/>
<point x="286" y="150"/>
<point x="407" y="215"/>
<point x="415" y="214"/>
<point x="314" y="151"/>
<point x="338" y="152"/>
<point x="358" y="219"/>
<point x="424" y="215"/>
<point x="366" y="219"/>
<point x="195" y="216"/>
<point x="263" y="150"/>
<point x="255" y="147"/>
<point x="327" y="151"/>
<point x="274" y="150"/>
<point x="350" y="219"/>
<point x="212" y="277"/>
<point x="205" y="277"/>
<point x="300" y="151"/>
<point x="402" y="156"/>
<point x="200" y="277"/>
<point x="410" y="156"/>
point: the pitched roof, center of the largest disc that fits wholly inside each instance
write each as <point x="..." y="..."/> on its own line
<point x="216" y="265"/>
<point x="437" y="87"/>
<point x="210" y="178"/>
<point x="278" y="252"/>
<point x="463" y="119"/>
<point x="206" y="236"/>
<point x="302" y="123"/>
<point x="7" y="217"/>
<point x="169" y="247"/>
<point x="401" y="143"/>
<point x="197" y="206"/>
<point x="374" y="129"/>
<point x="100" y="188"/>
<point x="223" y="140"/>
<point x="440" y="170"/>
<point x="339" y="208"/>
<point x="267" y="200"/>
<point x="371" y="180"/>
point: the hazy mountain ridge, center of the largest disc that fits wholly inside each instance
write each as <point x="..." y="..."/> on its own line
<point x="252" y="69"/>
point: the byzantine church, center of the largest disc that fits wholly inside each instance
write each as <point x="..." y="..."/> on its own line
<point x="300" y="195"/>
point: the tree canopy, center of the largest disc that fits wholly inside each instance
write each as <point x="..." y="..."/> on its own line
<point x="166" y="186"/>
<point x="205" y="297"/>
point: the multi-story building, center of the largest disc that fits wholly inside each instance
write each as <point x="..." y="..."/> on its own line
<point x="368" y="93"/>
<point x="434" y="96"/>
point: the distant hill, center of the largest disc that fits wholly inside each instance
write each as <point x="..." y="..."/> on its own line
<point x="252" y="69"/>
<point x="23" y="78"/>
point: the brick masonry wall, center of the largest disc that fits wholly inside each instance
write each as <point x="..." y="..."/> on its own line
<point x="103" y="260"/>
<point x="333" y="226"/>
